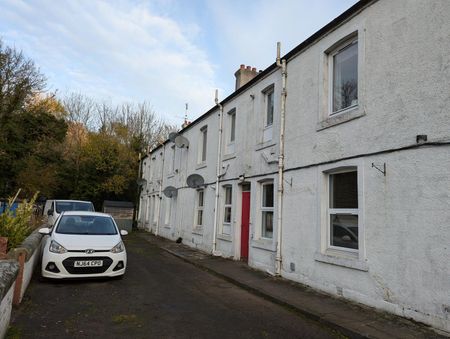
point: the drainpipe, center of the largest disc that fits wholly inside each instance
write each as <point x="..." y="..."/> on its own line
<point x="219" y="156"/>
<point x="282" y="65"/>
<point x="160" y="189"/>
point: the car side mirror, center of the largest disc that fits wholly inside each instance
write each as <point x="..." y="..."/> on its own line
<point x="50" y="212"/>
<point x="123" y="232"/>
<point x="45" y="231"/>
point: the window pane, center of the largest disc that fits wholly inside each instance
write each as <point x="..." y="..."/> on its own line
<point x="269" y="109"/>
<point x="344" y="190"/>
<point x="267" y="224"/>
<point x="345" y="78"/>
<point x="200" y="198"/>
<point x="227" y="215"/>
<point x="233" y="127"/>
<point x="228" y="195"/>
<point x="199" y="217"/>
<point x="344" y="230"/>
<point x="267" y="195"/>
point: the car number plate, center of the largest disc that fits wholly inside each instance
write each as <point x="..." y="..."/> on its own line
<point x="88" y="263"/>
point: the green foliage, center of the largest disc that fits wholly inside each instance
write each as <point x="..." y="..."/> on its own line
<point x="17" y="226"/>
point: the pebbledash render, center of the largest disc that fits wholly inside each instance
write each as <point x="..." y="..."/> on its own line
<point x="354" y="198"/>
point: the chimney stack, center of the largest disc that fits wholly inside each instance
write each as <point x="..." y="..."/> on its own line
<point x="244" y="74"/>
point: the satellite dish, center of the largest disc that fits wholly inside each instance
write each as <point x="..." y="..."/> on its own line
<point x="195" y="181"/>
<point x="181" y="142"/>
<point x="172" y="136"/>
<point x="170" y="192"/>
<point x="141" y="182"/>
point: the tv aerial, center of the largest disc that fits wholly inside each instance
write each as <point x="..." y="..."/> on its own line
<point x="195" y="181"/>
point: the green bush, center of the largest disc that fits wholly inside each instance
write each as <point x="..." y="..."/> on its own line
<point x="17" y="226"/>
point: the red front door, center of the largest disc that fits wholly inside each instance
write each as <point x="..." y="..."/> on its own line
<point x="245" y="225"/>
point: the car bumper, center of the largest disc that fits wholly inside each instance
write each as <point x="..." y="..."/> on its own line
<point x="64" y="264"/>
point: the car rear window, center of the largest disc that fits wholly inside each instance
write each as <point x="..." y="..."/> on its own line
<point x="62" y="206"/>
<point x="81" y="224"/>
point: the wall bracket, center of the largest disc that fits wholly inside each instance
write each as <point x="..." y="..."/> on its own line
<point x="380" y="168"/>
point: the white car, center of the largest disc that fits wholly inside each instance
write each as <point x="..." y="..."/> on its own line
<point x="83" y="245"/>
<point x="53" y="208"/>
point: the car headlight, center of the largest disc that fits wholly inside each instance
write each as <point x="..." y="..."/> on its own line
<point x="120" y="247"/>
<point x="56" y="248"/>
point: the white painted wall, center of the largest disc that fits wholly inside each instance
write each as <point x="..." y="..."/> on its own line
<point x="5" y="311"/>
<point x="404" y="81"/>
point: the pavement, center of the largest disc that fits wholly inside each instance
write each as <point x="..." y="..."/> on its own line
<point x="347" y="318"/>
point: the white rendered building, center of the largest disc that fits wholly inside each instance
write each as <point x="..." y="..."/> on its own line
<point x="354" y="198"/>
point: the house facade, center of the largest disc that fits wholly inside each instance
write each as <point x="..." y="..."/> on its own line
<point x="330" y="167"/>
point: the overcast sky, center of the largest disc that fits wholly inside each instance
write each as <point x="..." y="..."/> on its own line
<point x="166" y="52"/>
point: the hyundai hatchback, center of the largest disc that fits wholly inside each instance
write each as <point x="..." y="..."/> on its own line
<point x="83" y="245"/>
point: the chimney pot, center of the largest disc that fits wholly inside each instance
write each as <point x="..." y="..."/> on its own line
<point x="254" y="69"/>
<point x="242" y="66"/>
<point x="249" y="67"/>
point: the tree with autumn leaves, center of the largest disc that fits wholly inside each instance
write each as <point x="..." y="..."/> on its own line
<point x="71" y="147"/>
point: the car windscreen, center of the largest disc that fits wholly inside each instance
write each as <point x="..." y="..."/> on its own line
<point x="62" y="206"/>
<point x="86" y="224"/>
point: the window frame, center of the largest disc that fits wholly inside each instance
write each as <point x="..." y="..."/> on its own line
<point x="267" y="129"/>
<point x="199" y="208"/>
<point x="168" y="211"/>
<point x="339" y="255"/>
<point x="331" y="54"/>
<point x="172" y="162"/>
<point x="335" y="211"/>
<point x="226" y="206"/>
<point x="265" y="209"/>
<point x="155" y="209"/>
<point x="269" y="92"/>
<point x="203" y="145"/>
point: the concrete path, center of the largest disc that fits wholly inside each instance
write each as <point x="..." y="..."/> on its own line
<point x="347" y="318"/>
<point x="160" y="296"/>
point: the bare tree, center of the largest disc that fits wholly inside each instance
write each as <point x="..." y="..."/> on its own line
<point x="20" y="80"/>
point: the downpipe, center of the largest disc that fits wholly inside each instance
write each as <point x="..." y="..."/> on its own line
<point x="278" y="258"/>
<point x="219" y="157"/>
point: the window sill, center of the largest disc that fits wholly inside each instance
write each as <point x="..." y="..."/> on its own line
<point x="344" y="260"/>
<point x="198" y="231"/>
<point x="339" y="118"/>
<point x="229" y="156"/>
<point x="167" y="226"/>
<point x="264" y="244"/>
<point x="225" y="237"/>
<point x="202" y="165"/>
<point x="264" y="145"/>
<point x="171" y="175"/>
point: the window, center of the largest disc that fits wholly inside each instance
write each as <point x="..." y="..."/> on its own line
<point x="155" y="209"/>
<point x="269" y="112"/>
<point x="267" y="210"/>
<point x="200" y="206"/>
<point x="344" y="75"/>
<point x="343" y="210"/>
<point x="168" y="211"/>
<point x="172" y="164"/>
<point x="228" y="192"/>
<point x="203" y="144"/>
<point x="232" y="119"/>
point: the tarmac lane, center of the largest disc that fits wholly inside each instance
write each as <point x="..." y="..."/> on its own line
<point x="160" y="296"/>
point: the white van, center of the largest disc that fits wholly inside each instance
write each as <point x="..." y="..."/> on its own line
<point x="53" y="208"/>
